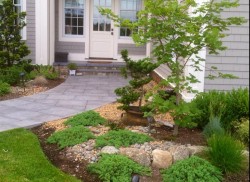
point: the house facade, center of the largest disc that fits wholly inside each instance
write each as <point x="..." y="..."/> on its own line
<point x="77" y="28"/>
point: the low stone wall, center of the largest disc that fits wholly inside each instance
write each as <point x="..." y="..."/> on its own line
<point x="62" y="69"/>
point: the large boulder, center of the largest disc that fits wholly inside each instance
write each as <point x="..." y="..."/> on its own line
<point x="196" y="149"/>
<point x="109" y="150"/>
<point x="161" y="159"/>
<point x="137" y="155"/>
<point x="179" y="152"/>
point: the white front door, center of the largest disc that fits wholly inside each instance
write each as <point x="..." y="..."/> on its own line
<point x="101" y="30"/>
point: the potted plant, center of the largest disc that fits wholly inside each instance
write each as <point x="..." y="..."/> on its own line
<point x="140" y="73"/>
<point x="72" y="69"/>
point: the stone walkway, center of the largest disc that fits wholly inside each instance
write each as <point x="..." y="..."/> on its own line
<point x="76" y="94"/>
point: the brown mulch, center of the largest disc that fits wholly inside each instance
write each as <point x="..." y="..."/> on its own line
<point x="18" y="91"/>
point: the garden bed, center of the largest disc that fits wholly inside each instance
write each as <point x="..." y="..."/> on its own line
<point x="30" y="89"/>
<point x="73" y="164"/>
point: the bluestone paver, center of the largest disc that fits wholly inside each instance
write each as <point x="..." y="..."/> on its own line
<point x="75" y="95"/>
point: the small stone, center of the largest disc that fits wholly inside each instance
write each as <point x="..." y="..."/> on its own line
<point x="89" y="148"/>
<point x="109" y="150"/>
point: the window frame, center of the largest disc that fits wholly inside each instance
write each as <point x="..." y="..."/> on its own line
<point x="68" y="37"/>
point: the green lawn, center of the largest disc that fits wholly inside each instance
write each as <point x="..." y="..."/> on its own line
<point x="21" y="159"/>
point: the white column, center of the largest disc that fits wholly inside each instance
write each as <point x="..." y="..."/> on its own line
<point x="52" y="32"/>
<point x="148" y="50"/>
<point x="87" y="27"/>
<point x="200" y="75"/>
<point x="42" y="32"/>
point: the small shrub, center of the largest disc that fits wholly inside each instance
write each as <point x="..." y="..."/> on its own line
<point x="230" y="106"/>
<point x="241" y="128"/>
<point x="208" y="102"/>
<point x="114" y="126"/>
<point x="226" y="153"/>
<point x="40" y="80"/>
<point x="4" y="88"/>
<point x="117" y="168"/>
<point x="193" y="169"/>
<point x="88" y="118"/>
<point x="237" y="105"/>
<point x="213" y="127"/>
<point x="44" y="70"/>
<point x="72" y="66"/>
<point x="71" y="136"/>
<point x="120" y="138"/>
<point x="11" y="75"/>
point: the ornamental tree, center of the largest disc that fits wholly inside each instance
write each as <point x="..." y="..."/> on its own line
<point x="12" y="48"/>
<point x="139" y="71"/>
<point x="178" y="30"/>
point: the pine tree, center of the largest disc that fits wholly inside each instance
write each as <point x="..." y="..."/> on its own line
<point x="12" y="48"/>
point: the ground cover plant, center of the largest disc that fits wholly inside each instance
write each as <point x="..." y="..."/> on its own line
<point x="226" y="153"/>
<point x="193" y="169"/>
<point x="120" y="138"/>
<point x="117" y="168"/>
<point x="22" y="159"/>
<point x="71" y="136"/>
<point x="88" y="118"/>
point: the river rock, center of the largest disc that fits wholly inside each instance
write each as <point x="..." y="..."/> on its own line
<point x="109" y="150"/>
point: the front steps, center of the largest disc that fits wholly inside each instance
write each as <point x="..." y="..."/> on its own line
<point x="92" y="67"/>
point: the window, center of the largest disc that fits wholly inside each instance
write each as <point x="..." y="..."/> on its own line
<point x="20" y="6"/>
<point x="74" y="17"/>
<point x="129" y="10"/>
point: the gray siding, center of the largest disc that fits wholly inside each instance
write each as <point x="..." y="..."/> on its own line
<point x="70" y="47"/>
<point x="132" y="49"/>
<point x="235" y="60"/>
<point x="31" y="29"/>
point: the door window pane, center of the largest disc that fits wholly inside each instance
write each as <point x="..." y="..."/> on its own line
<point x="101" y="23"/>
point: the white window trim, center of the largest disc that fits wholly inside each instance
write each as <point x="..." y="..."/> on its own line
<point x="69" y="38"/>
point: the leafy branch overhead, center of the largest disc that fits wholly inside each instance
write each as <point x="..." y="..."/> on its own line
<point x="178" y="32"/>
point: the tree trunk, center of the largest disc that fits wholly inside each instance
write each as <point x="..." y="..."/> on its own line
<point x="176" y="128"/>
<point x="141" y="96"/>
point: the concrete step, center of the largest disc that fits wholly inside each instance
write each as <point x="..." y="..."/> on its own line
<point x="96" y="68"/>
